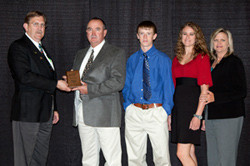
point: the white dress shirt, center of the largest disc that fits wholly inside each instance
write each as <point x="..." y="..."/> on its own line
<point x="37" y="46"/>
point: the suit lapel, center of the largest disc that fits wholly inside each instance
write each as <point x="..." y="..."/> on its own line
<point x="38" y="56"/>
<point x="100" y="56"/>
<point x="98" y="59"/>
<point x="78" y="61"/>
<point x="46" y="59"/>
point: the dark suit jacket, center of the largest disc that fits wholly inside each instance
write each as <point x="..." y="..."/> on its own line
<point x="35" y="82"/>
<point x="229" y="88"/>
<point x="105" y="78"/>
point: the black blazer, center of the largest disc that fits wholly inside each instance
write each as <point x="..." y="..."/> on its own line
<point x="35" y="82"/>
<point x="229" y="88"/>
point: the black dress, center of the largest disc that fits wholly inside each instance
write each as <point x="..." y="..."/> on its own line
<point x="187" y="79"/>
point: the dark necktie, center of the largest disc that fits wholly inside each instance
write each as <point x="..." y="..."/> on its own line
<point x="41" y="48"/>
<point x="146" y="79"/>
<point x="90" y="61"/>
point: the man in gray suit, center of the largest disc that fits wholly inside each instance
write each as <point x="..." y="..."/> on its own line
<point x="97" y="106"/>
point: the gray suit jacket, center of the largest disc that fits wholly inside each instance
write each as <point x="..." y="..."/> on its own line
<point x="105" y="78"/>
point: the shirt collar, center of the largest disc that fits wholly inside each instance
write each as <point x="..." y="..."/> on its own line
<point x="98" y="48"/>
<point x="149" y="52"/>
<point x="33" y="41"/>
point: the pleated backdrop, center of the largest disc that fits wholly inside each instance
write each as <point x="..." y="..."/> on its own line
<point x="65" y="34"/>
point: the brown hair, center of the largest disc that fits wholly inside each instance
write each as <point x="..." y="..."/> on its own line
<point x="147" y="24"/>
<point x="200" y="43"/>
<point x="34" y="14"/>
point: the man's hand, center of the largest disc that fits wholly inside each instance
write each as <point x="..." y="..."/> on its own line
<point x="83" y="88"/>
<point x="64" y="78"/>
<point x="169" y="122"/>
<point x="62" y="85"/>
<point x="55" y="117"/>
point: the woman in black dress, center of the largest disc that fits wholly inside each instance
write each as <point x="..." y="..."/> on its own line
<point x="192" y="77"/>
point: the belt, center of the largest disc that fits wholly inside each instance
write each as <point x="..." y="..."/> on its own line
<point x="147" y="106"/>
<point x="186" y="81"/>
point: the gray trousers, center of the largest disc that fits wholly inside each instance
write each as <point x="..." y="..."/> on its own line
<point x="222" y="137"/>
<point x="31" y="142"/>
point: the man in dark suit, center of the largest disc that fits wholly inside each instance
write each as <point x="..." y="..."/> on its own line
<point x="97" y="106"/>
<point x="33" y="105"/>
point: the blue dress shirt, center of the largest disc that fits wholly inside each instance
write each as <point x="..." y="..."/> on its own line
<point x="162" y="86"/>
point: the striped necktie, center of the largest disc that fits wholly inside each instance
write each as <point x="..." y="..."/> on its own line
<point x="146" y="79"/>
<point x="90" y="61"/>
<point x="40" y="48"/>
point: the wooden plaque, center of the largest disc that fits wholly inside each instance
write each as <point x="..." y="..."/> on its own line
<point x="73" y="78"/>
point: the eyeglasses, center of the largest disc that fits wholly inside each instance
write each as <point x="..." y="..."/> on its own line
<point x="36" y="24"/>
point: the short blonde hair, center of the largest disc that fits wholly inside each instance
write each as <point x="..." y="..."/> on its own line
<point x="230" y="41"/>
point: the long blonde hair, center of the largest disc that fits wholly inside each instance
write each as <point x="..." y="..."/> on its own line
<point x="200" y="43"/>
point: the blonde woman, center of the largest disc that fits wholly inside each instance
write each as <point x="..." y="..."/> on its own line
<point x="226" y="109"/>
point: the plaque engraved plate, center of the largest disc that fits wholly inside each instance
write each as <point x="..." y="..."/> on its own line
<point x="73" y="78"/>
